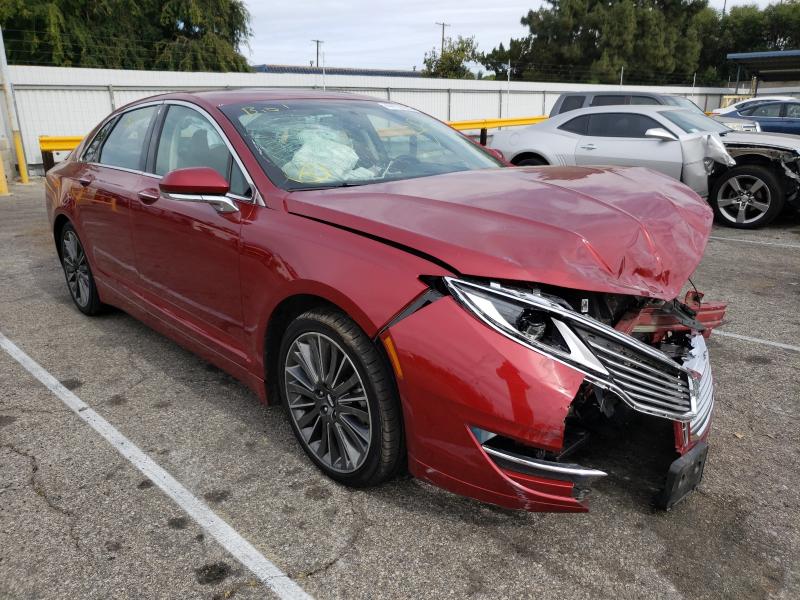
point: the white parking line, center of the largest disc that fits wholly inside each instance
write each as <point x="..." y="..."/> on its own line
<point x="269" y="574"/>
<point x="747" y="338"/>
<point x="778" y="244"/>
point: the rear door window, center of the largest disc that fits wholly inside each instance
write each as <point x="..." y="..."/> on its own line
<point x="92" y="152"/>
<point x="571" y="103"/>
<point x="620" y="125"/>
<point x="765" y="110"/>
<point x="793" y="110"/>
<point x="577" y="125"/>
<point x="608" y="100"/>
<point x="126" y="143"/>
<point x="643" y="100"/>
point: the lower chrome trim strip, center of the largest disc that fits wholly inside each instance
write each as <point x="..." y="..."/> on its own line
<point x="545" y="468"/>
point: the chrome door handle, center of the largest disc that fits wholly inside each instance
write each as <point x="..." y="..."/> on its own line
<point x="86" y="180"/>
<point x="589" y="147"/>
<point x="148" y="196"/>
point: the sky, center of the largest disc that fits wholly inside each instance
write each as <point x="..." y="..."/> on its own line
<point x="382" y="34"/>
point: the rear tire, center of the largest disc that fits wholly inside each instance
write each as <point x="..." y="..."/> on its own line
<point x="747" y="197"/>
<point x="327" y="364"/>
<point x="78" y="273"/>
<point x="531" y="162"/>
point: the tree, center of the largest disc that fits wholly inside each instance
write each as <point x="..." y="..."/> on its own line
<point x="591" y="40"/>
<point x="452" y="62"/>
<point x="188" y="35"/>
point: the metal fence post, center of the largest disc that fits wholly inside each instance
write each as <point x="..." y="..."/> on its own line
<point x="449" y="103"/>
<point x="11" y="112"/>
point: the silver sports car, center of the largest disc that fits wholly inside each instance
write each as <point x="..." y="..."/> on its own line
<point x="747" y="176"/>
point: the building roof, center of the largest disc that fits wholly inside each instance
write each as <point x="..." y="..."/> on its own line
<point x="309" y="70"/>
<point x="779" y="65"/>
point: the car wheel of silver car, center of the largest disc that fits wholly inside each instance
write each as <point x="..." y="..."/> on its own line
<point x="340" y="398"/>
<point x="78" y="273"/>
<point x="747" y="197"/>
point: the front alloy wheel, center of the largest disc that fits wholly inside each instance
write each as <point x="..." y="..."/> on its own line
<point x="327" y="402"/>
<point x="747" y="197"/>
<point x="340" y="398"/>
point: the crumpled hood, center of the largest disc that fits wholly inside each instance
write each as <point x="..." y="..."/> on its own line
<point x="777" y="140"/>
<point x="609" y="229"/>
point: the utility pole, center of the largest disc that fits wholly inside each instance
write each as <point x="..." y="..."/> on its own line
<point x="318" y="42"/>
<point x="443" y="24"/>
<point x="621" y="73"/>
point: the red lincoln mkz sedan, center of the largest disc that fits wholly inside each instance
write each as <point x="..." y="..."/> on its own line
<point x="407" y="297"/>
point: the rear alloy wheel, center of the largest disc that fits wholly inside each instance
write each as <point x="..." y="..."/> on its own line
<point x="340" y="399"/>
<point x="78" y="273"/>
<point x="747" y="197"/>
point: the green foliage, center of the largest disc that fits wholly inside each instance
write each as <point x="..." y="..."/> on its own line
<point x="452" y="62"/>
<point x="185" y="35"/>
<point x="656" y="41"/>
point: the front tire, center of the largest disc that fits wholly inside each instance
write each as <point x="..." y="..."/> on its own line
<point x="340" y="399"/>
<point x="747" y="197"/>
<point x="78" y="273"/>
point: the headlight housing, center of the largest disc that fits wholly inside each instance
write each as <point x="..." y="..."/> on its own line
<point x="527" y="318"/>
<point x="642" y="376"/>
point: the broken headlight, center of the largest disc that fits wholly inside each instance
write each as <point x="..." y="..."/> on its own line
<point x="527" y="318"/>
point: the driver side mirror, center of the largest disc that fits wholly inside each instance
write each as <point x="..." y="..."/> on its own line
<point x="659" y="133"/>
<point x="198" y="184"/>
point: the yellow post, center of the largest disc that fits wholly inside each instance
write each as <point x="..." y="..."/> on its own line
<point x="3" y="182"/>
<point x="23" y="164"/>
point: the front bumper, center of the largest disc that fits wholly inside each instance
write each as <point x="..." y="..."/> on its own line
<point x="458" y="378"/>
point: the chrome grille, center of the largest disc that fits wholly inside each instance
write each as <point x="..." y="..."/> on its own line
<point x="648" y="381"/>
<point x="699" y="363"/>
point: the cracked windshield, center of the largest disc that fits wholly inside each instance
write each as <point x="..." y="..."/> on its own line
<point x="310" y="144"/>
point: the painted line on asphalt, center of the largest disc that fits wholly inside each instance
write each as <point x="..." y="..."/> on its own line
<point x="777" y="244"/>
<point x="268" y="573"/>
<point x="747" y="338"/>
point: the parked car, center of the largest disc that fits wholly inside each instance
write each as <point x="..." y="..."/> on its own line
<point x="750" y="102"/>
<point x="747" y="177"/>
<point x="575" y="100"/>
<point x="775" y="117"/>
<point x="407" y="298"/>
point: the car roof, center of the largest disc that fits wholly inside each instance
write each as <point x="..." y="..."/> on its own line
<point x="218" y="98"/>
<point x="643" y="109"/>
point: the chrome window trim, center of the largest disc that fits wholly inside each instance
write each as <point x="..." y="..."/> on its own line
<point x="255" y="197"/>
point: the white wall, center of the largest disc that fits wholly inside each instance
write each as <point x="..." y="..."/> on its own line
<point x="70" y="101"/>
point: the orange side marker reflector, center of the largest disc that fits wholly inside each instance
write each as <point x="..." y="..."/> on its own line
<point x="390" y="350"/>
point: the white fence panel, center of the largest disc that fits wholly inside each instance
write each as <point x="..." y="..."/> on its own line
<point x="70" y="101"/>
<point x="57" y="112"/>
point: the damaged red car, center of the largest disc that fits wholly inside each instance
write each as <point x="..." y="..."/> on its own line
<point x="411" y="300"/>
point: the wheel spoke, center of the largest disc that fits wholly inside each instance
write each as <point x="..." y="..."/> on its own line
<point x="301" y="390"/>
<point x="734" y="183"/>
<point x="723" y="202"/>
<point x="308" y="418"/>
<point x="345" y="387"/>
<point x="761" y="207"/>
<point x="757" y="185"/>
<point x="346" y="451"/>
<point x="305" y="357"/>
<point x="362" y="415"/>
<point x="740" y="216"/>
<point x="360" y="436"/>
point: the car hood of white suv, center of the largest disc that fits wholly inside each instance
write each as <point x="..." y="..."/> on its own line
<point x="776" y="140"/>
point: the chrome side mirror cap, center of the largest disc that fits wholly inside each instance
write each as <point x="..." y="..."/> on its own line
<point x="659" y="133"/>
<point x="222" y="204"/>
